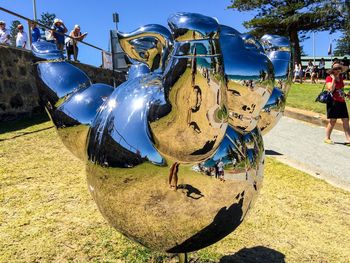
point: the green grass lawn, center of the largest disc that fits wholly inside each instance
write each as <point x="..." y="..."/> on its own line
<point x="48" y="215"/>
<point x="302" y="96"/>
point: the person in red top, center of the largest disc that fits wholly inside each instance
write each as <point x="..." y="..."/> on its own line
<point x="336" y="108"/>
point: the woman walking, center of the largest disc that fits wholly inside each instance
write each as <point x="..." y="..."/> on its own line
<point x="336" y="107"/>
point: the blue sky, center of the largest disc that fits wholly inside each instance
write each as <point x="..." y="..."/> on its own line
<point x="95" y="17"/>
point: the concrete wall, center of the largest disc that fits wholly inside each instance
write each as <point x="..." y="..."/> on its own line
<point x="18" y="92"/>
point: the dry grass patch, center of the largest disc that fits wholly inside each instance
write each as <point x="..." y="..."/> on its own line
<point x="47" y="213"/>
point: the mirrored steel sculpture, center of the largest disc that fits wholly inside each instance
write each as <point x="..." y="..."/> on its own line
<point x="46" y="50"/>
<point x="174" y="155"/>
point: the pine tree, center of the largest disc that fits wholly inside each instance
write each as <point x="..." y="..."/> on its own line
<point x="343" y="44"/>
<point x="47" y="20"/>
<point x="292" y="17"/>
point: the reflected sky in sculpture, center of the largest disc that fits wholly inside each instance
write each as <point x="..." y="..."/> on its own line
<point x="46" y="50"/>
<point x="193" y="107"/>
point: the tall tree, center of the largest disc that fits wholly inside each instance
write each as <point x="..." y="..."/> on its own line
<point x="14" y="31"/>
<point x="291" y="17"/>
<point x="343" y="44"/>
<point x="47" y="20"/>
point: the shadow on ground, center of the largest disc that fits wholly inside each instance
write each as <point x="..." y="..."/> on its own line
<point x="255" y="254"/>
<point x="22" y="123"/>
<point x="272" y="153"/>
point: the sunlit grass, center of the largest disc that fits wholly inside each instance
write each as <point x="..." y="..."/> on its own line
<point x="47" y="213"/>
<point x="303" y="96"/>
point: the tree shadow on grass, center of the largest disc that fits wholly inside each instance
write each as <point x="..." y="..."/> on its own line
<point x="22" y="123"/>
<point x="254" y="255"/>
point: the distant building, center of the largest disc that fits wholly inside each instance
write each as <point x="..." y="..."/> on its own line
<point x="327" y="59"/>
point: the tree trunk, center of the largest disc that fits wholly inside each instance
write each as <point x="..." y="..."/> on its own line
<point x="294" y="40"/>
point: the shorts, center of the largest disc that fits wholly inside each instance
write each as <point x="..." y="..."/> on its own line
<point x="337" y="110"/>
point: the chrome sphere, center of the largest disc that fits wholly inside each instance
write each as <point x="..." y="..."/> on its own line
<point x="174" y="155"/>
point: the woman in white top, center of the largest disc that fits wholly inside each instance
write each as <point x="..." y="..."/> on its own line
<point x="72" y="42"/>
<point x="297" y="72"/>
<point x="309" y="69"/>
<point x="21" y="38"/>
<point x="4" y="34"/>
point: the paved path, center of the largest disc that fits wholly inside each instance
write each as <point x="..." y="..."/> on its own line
<point x="300" y="144"/>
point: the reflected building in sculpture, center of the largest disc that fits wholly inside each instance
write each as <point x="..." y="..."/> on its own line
<point x="197" y="94"/>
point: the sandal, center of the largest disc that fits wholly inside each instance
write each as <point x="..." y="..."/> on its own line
<point x="328" y="141"/>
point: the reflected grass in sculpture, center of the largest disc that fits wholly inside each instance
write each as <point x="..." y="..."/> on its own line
<point x="50" y="216"/>
<point x="186" y="211"/>
<point x="171" y="117"/>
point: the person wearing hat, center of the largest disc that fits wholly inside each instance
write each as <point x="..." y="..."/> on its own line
<point x="336" y="107"/>
<point x="72" y="42"/>
<point x="58" y="30"/>
<point x="21" y="37"/>
<point x="5" y="35"/>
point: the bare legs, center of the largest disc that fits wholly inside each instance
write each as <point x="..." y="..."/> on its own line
<point x="173" y="176"/>
<point x="346" y="128"/>
<point x="331" y="125"/>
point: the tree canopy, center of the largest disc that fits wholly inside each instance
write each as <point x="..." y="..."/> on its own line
<point x="46" y="19"/>
<point x="343" y="44"/>
<point x="291" y="17"/>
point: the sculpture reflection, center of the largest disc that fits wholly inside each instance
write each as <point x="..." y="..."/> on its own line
<point x="174" y="155"/>
<point x="249" y="75"/>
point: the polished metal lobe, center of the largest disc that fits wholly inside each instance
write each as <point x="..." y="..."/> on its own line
<point x="277" y="49"/>
<point x="149" y="44"/>
<point x="249" y="76"/>
<point x="174" y="155"/>
<point x="46" y="50"/>
<point x="190" y="26"/>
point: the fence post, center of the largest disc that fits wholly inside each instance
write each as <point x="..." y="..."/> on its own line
<point x="29" y="33"/>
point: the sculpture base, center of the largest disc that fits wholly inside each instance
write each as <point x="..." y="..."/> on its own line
<point x="183" y="258"/>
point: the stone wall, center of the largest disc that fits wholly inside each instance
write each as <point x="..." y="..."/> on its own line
<point x="18" y="92"/>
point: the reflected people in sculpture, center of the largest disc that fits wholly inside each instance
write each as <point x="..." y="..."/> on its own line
<point x="181" y="138"/>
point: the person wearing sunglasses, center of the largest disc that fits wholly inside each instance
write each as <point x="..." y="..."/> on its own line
<point x="336" y="108"/>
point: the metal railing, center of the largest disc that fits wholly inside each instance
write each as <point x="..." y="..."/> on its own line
<point x="29" y="21"/>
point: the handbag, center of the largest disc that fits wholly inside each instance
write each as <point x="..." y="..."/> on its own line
<point x="325" y="96"/>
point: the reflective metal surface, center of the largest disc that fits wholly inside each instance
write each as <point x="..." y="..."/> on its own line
<point x="249" y="75"/>
<point x="272" y="111"/>
<point x="174" y="156"/>
<point x="46" y="50"/>
<point x="71" y="101"/>
<point x="149" y="44"/>
<point x="277" y="49"/>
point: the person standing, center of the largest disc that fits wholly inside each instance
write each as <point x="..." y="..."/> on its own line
<point x="72" y="42"/>
<point x="173" y="178"/>
<point x="345" y="62"/>
<point x="297" y="69"/>
<point x="21" y="38"/>
<point x="35" y="32"/>
<point x="221" y="170"/>
<point x="322" y="68"/>
<point x="5" y="35"/>
<point x="336" y="107"/>
<point x="58" y="30"/>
